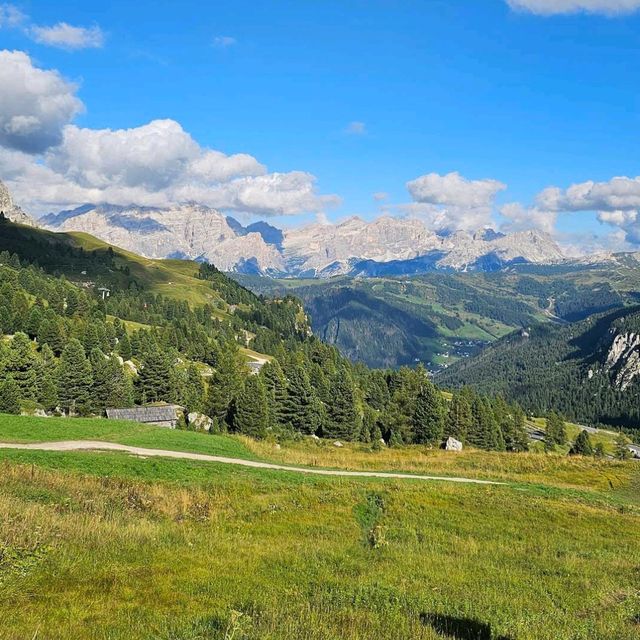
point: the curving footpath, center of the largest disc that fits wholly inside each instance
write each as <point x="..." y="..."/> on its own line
<point x="96" y="445"/>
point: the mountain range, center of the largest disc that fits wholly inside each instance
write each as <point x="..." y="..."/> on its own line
<point x="384" y="246"/>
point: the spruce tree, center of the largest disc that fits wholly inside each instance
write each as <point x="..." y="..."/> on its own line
<point x="74" y="378"/>
<point x="9" y="396"/>
<point x="21" y="365"/>
<point x="428" y="415"/>
<point x="124" y="347"/>
<point x="154" y="379"/>
<point x="225" y="384"/>
<point x="342" y="417"/>
<point x="459" y="417"/>
<point x="299" y="410"/>
<point x="276" y="387"/>
<point x="251" y="415"/>
<point x="622" y="451"/>
<point x="582" y="445"/>
<point x="556" y="430"/>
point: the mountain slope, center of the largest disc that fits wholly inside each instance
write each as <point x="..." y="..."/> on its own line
<point x="589" y="370"/>
<point x="394" y="246"/>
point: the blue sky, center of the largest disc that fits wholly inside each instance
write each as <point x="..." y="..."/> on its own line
<point x="365" y="96"/>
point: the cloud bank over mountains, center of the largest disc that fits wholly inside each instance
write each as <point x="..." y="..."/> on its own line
<point x="51" y="163"/>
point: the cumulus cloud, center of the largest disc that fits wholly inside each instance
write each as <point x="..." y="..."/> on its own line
<point x="451" y="202"/>
<point x="356" y="128"/>
<point x="66" y="36"/>
<point x="519" y="218"/>
<point x="618" y="193"/>
<point x="223" y="42"/>
<point x="35" y="104"/>
<point x="616" y="202"/>
<point x="380" y="196"/>
<point x="555" y="7"/>
<point x="454" y="190"/>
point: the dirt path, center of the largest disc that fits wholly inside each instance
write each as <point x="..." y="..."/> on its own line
<point x="96" y="445"/>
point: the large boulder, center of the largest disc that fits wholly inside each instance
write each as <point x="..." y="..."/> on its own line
<point x="199" y="421"/>
<point x="451" y="444"/>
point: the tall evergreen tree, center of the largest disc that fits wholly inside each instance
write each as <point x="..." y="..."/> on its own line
<point x="342" y="417"/>
<point x="428" y="415"/>
<point x="154" y="378"/>
<point x="556" y="430"/>
<point x="74" y="378"/>
<point x="582" y="445"/>
<point x="276" y="387"/>
<point x="21" y="364"/>
<point x="459" y="417"/>
<point x="251" y="416"/>
<point x="9" y="396"/>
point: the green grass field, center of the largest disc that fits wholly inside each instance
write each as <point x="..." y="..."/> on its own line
<point x="108" y="546"/>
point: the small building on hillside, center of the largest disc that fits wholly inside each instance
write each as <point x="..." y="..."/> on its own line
<point x="163" y="415"/>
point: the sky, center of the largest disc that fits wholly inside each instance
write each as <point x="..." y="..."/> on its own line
<point x="513" y="114"/>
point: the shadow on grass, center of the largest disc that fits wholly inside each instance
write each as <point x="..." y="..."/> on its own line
<point x="459" y="628"/>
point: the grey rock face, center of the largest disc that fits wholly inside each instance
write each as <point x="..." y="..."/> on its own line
<point x="623" y="359"/>
<point x="354" y="246"/>
<point x="11" y="210"/>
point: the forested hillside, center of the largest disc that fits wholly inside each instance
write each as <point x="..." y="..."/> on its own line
<point x="183" y="333"/>
<point x="575" y="369"/>
<point x="440" y="318"/>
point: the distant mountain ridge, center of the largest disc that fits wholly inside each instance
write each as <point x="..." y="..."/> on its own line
<point x="387" y="245"/>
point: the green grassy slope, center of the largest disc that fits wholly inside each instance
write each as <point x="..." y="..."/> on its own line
<point x="101" y="545"/>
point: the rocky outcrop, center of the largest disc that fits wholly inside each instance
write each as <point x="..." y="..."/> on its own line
<point x="623" y="359"/>
<point x="11" y="210"/>
<point x="385" y="246"/>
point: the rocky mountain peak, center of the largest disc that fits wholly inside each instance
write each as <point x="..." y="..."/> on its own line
<point x="11" y="210"/>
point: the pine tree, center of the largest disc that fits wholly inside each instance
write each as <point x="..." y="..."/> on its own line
<point x="225" y="384"/>
<point x="622" y="451"/>
<point x="124" y="347"/>
<point x="298" y="409"/>
<point x="428" y="416"/>
<point x="459" y="417"/>
<point x="9" y="396"/>
<point x="154" y="379"/>
<point x="276" y="386"/>
<point x="251" y="416"/>
<point x="342" y="417"/>
<point x="21" y="365"/>
<point x="556" y="430"/>
<point x="582" y="445"/>
<point x="193" y="390"/>
<point x="74" y="378"/>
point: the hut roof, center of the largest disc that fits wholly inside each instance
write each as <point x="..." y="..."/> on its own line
<point x="165" y="413"/>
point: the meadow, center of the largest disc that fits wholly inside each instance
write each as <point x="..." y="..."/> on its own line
<point x="108" y="546"/>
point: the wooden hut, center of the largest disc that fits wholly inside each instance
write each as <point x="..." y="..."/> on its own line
<point x="163" y="415"/>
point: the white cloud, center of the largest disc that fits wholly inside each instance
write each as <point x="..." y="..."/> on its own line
<point x="35" y="104"/>
<point x="11" y="17"/>
<point x="356" y="128"/>
<point x="454" y="190"/>
<point x="519" y="218"/>
<point x="555" y="7"/>
<point x="223" y="42"/>
<point x="49" y="163"/>
<point x="616" y="201"/>
<point x="66" y="36"/>
<point x="451" y="202"/>
<point x="618" y="193"/>
<point x="380" y="196"/>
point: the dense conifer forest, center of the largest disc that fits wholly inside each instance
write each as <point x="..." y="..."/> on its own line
<point x="68" y="347"/>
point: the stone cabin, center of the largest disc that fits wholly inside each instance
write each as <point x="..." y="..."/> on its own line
<point x="162" y="416"/>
